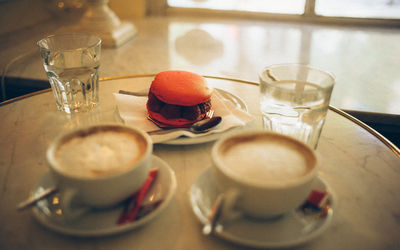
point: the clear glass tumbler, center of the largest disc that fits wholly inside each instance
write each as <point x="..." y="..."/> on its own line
<point x="71" y="62"/>
<point x="294" y="100"/>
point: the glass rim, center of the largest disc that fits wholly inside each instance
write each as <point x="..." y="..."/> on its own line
<point x="97" y="40"/>
<point x="299" y="65"/>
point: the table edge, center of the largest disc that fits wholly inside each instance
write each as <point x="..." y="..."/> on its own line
<point x="338" y="111"/>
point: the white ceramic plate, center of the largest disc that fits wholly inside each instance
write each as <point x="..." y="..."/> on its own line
<point x="290" y="230"/>
<point x="104" y="222"/>
<point x="239" y="103"/>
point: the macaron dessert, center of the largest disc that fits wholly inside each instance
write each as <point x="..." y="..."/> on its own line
<point x="178" y="98"/>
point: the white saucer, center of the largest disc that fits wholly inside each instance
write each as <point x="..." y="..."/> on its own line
<point x="290" y="230"/>
<point x="104" y="222"/>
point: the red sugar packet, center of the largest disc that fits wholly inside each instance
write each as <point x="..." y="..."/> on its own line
<point x="133" y="206"/>
<point x="317" y="204"/>
<point x="317" y="198"/>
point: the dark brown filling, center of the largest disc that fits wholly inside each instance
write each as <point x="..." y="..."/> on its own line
<point x="171" y="111"/>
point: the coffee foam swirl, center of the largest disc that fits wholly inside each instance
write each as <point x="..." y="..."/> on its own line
<point x="266" y="157"/>
<point x="99" y="153"/>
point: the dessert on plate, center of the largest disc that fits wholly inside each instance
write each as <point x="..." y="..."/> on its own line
<point x="178" y="98"/>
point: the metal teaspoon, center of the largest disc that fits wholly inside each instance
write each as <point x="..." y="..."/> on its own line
<point x="202" y="126"/>
<point x="215" y="215"/>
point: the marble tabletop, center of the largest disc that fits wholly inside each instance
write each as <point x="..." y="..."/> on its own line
<point x="361" y="170"/>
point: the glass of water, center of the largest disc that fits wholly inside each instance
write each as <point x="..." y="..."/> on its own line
<point x="71" y="62"/>
<point x="294" y="100"/>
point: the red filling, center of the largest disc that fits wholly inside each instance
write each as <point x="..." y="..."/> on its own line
<point x="170" y="111"/>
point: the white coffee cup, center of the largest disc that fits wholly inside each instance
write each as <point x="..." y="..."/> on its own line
<point x="263" y="174"/>
<point x="98" y="166"/>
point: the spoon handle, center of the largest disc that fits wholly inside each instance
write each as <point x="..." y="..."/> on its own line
<point x="215" y="215"/>
<point x="33" y="199"/>
<point x="134" y="93"/>
<point x="164" y="131"/>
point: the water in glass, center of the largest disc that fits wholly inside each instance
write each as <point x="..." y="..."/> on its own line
<point x="295" y="108"/>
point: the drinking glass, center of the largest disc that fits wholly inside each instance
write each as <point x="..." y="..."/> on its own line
<point x="71" y="62"/>
<point x="294" y="100"/>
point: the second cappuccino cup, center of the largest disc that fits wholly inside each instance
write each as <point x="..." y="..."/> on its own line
<point x="263" y="174"/>
<point x="98" y="166"/>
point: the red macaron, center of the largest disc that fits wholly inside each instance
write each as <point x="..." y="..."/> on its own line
<point x="178" y="98"/>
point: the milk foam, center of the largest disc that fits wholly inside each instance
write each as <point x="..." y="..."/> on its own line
<point x="267" y="158"/>
<point x="99" y="153"/>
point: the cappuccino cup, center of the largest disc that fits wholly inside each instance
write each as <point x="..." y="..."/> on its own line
<point x="263" y="174"/>
<point x="98" y="166"/>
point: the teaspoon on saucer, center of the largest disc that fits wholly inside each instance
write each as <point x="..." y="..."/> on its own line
<point x="215" y="215"/>
<point x="202" y="126"/>
<point x="32" y="200"/>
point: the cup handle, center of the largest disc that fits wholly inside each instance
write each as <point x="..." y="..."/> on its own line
<point x="70" y="210"/>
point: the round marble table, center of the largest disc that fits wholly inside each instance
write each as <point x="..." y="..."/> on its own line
<point x="361" y="167"/>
